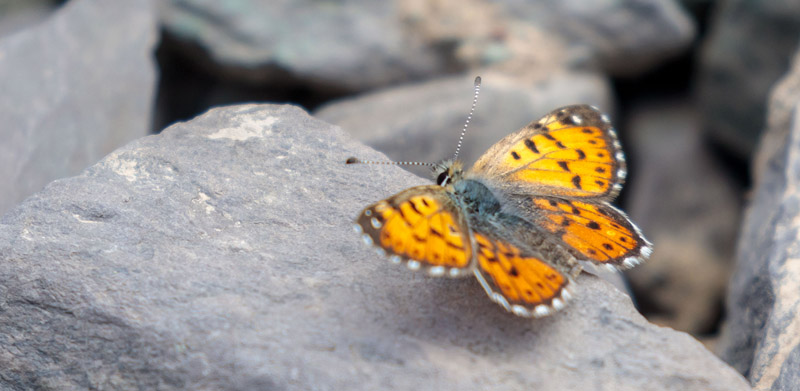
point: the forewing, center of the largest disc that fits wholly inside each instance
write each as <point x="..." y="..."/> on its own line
<point x="421" y="227"/>
<point x="571" y="152"/>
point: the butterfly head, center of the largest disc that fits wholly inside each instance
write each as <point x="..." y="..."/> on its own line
<point x="448" y="172"/>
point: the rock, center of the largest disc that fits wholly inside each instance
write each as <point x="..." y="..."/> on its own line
<point x="16" y="15"/>
<point x="352" y="45"/>
<point x="362" y="45"/>
<point x="760" y="337"/>
<point x="82" y="85"/>
<point x="219" y="255"/>
<point x="690" y="211"/>
<point x="422" y="122"/>
<point x="624" y="38"/>
<point x="737" y="70"/>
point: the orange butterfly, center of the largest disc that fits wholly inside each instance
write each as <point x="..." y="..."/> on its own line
<point x="531" y="207"/>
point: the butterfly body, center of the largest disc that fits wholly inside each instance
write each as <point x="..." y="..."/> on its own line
<point x="532" y="206"/>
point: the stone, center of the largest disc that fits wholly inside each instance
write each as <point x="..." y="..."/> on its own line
<point x="16" y="15"/>
<point x="363" y="45"/>
<point x="83" y="83"/>
<point x="623" y="38"/>
<point x="761" y="336"/>
<point x="354" y="46"/>
<point x="691" y="211"/>
<point x="737" y="70"/>
<point x="219" y="255"/>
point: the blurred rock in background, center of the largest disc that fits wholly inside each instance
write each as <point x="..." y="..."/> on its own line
<point x="18" y="14"/>
<point x="74" y="87"/>
<point x="747" y="50"/>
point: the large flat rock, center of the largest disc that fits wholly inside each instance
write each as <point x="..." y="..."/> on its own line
<point x="219" y="255"/>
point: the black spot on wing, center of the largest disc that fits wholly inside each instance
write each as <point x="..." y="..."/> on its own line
<point x="531" y="145"/>
<point x="576" y="181"/>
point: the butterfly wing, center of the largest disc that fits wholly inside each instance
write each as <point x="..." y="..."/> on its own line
<point x="590" y="230"/>
<point x="519" y="280"/>
<point x="421" y="227"/>
<point x="571" y="152"/>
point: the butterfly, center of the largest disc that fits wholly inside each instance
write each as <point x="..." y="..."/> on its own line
<point x="522" y="219"/>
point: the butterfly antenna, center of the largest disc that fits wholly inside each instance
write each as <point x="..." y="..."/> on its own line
<point x="355" y="160"/>
<point x="469" y="117"/>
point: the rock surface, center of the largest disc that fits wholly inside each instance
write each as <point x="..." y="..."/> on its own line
<point x="219" y="255"/>
<point x="737" y="70"/>
<point x="360" y="45"/>
<point x="62" y="111"/>
<point x="761" y="337"/>
<point x="17" y="15"/>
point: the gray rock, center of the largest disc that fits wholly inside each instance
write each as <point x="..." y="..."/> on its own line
<point x="16" y="15"/>
<point x="351" y="45"/>
<point x="422" y="122"/>
<point x="361" y="45"/>
<point x="760" y="337"/>
<point x="74" y="88"/>
<point x="624" y="38"/>
<point x="691" y="210"/>
<point x="738" y="68"/>
<point x="219" y="255"/>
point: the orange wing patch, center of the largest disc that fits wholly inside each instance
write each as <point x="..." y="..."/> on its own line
<point x="421" y="228"/>
<point x="524" y="285"/>
<point x="571" y="152"/>
<point x="594" y="232"/>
